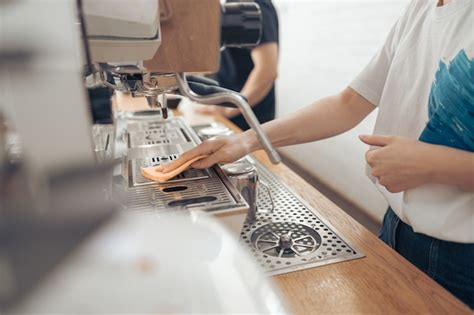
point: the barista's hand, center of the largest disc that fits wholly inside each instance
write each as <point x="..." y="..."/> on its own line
<point x="399" y="163"/>
<point x="218" y="150"/>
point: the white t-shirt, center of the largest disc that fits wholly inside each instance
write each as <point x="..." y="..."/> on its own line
<point x="422" y="80"/>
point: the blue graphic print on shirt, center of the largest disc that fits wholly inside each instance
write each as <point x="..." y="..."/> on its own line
<point x="451" y="105"/>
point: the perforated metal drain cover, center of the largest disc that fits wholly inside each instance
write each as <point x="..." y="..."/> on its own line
<point x="294" y="236"/>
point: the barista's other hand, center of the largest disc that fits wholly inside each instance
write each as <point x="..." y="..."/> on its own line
<point x="216" y="110"/>
<point x="399" y="163"/>
<point x="218" y="150"/>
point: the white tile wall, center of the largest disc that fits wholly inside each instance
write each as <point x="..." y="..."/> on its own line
<point x="324" y="44"/>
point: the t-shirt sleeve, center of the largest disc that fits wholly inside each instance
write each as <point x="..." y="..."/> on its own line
<point x="371" y="80"/>
<point x="269" y="22"/>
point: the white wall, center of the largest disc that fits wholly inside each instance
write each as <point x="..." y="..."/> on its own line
<point x="323" y="45"/>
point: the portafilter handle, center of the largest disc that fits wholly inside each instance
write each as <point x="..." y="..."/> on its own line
<point x="239" y="101"/>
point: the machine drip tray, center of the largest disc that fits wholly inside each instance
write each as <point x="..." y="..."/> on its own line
<point x="152" y="142"/>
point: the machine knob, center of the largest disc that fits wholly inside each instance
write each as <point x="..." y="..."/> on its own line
<point x="241" y="24"/>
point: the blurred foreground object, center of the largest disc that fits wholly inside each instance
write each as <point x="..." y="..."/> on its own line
<point x="137" y="264"/>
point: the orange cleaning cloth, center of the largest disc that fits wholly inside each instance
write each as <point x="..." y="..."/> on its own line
<point x="156" y="174"/>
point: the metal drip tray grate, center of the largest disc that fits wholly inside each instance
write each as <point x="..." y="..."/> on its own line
<point x="156" y="133"/>
<point x="153" y="142"/>
<point x="208" y="194"/>
<point x="293" y="237"/>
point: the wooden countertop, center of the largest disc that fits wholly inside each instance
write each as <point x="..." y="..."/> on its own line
<point x="382" y="282"/>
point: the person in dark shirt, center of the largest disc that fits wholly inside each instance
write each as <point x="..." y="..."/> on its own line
<point x="252" y="72"/>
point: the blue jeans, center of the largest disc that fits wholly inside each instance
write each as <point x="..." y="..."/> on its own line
<point x="448" y="263"/>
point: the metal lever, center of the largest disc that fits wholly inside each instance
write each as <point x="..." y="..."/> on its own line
<point x="239" y="102"/>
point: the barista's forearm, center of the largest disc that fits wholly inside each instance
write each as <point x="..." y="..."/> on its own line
<point x="324" y="118"/>
<point x="262" y="77"/>
<point x="264" y="72"/>
<point x="258" y="84"/>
